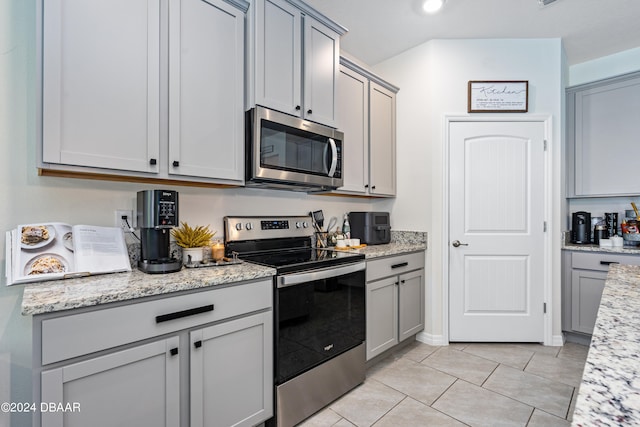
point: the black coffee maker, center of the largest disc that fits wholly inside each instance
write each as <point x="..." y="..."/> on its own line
<point x="581" y="227"/>
<point x="157" y="215"/>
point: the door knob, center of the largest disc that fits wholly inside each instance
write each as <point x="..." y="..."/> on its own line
<point x="457" y="243"/>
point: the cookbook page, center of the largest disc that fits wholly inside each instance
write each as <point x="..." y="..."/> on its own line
<point x="100" y="249"/>
<point x="43" y="251"/>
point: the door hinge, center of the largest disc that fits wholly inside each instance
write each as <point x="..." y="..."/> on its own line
<point x="544" y="308"/>
<point x="545" y="145"/>
<point x="544" y="226"/>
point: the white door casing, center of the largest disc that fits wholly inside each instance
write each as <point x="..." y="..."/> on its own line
<point x="497" y="276"/>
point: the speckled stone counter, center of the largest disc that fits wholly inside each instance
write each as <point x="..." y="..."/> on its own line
<point x="47" y="297"/>
<point x="567" y="245"/>
<point x="610" y="390"/>
<point x="401" y="242"/>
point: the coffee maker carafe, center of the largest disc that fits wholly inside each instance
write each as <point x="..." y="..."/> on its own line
<point x="157" y="215"/>
<point x="581" y="227"/>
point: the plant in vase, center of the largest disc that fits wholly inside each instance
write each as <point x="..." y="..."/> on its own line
<point x="192" y="240"/>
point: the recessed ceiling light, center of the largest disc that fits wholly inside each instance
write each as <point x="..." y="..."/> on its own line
<point x="432" y="6"/>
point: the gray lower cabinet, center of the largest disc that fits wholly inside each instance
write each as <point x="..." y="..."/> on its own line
<point x="201" y="358"/>
<point x="395" y="301"/>
<point x="584" y="277"/>
<point x="137" y="386"/>
<point x="237" y="354"/>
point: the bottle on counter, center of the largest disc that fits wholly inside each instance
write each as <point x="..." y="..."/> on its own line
<point x="346" y="228"/>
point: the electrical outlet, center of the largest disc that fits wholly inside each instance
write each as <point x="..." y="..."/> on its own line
<point x="121" y="215"/>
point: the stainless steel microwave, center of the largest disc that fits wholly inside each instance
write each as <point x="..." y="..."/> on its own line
<point x="286" y="152"/>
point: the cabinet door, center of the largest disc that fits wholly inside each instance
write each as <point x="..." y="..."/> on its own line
<point x="134" y="387"/>
<point x="411" y="304"/>
<point x="382" y="140"/>
<point x="321" y="64"/>
<point x="100" y="83"/>
<point x="606" y="127"/>
<point x="278" y="58"/>
<point x="382" y="315"/>
<point x="353" y="120"/>
<point x="206" y="89"/>
<point x="586" y="292"/>
<point x="232" y="372"/>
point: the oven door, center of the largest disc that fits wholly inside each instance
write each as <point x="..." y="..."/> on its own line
<point x="320" y="314"/>
<point x="285" y="150"/>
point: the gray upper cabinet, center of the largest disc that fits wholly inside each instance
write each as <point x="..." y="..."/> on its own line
<point x="367" y="117"/>
<point x="206" y="89"/>
<point x="602" y="130"/>
<point x="101" y="74"/>
<point x="144" y="88"/>
<point x="294" y="53"/>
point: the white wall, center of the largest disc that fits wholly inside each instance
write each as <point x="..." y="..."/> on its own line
<point x="608" y="66"/>
<point x="433" y="83"/>
<point x="26" y="197"/>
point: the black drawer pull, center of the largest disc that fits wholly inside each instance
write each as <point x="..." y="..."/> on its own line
<point x="173" y="351"/>
<point x="402" y="264"/>
<point x="183" y="313"/>
<point x="197" y="344"/>
<point x="608" y="262"/>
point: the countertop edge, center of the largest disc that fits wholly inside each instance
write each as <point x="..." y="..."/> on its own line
<point x="609" y="393"/>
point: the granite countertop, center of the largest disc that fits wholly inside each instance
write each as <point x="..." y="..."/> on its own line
<point x="628" y="250"/>
<point x="46" y="297"/>
<point x="52" y="296"/>
<point x="401" y="242"/>
<point x="609" y="394"/>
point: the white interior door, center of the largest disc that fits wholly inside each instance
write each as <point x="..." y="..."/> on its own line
<point x="496" y="213"/>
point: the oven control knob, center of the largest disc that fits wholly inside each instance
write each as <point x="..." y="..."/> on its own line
<point x="298" y="224"/>
<point x="239" y="226"/>
<point x="249" y="226"/>
<point x="305" y="224"/>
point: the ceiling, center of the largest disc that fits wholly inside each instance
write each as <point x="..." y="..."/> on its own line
<point x="380" y="29"/>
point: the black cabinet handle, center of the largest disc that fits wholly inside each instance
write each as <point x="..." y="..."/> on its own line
<point x="174" y="351"/>
<point x="153" y="162"/>
<point x="402" y="264"/>
<point x="197" y="344"/>
<point x="183" y="313"/>
<point x="309" y="111"/>
<point x="366" y="186"/>
<point x="297" y="108"/>
<point x="373" y="187"/>
<point x="176" y="163"/>
<point x="401" y="281"/>
<point x="608" y="262"/>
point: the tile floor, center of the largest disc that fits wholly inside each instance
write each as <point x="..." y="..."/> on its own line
<point x="464" y="385"/>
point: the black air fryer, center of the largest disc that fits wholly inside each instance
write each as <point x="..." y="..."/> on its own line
<point x="581" y="227"/>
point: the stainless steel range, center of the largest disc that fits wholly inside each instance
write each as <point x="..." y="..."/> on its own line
<point x="319" y="309"/>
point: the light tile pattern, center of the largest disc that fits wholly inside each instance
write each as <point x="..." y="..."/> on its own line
<point x="464" y="384"/>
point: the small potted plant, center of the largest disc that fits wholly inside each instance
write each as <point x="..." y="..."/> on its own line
<point x="192" y="240"/>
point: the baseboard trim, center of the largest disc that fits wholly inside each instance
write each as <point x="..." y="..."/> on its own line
<point x="436" y="340"/>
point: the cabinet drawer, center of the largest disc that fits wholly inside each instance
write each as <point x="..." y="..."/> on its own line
<point x="83" y="333"/>
<point x="385" y="267"/>
<point x="600" y="261"/>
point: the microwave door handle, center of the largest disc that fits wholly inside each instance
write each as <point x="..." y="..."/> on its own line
<point x="334" y="157"/>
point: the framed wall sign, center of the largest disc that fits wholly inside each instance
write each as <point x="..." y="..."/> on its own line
<point x="498" y="96"/>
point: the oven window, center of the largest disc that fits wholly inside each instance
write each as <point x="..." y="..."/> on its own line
<point x="317" y="321"/>
<point x="290" y="149"/>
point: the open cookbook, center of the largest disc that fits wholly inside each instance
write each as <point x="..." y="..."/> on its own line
<point x="48" y="251"/>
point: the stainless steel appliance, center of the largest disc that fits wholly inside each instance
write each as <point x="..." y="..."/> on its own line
<point x="372" y="228"/>
<point x="157" y="214"/>
<point x="581" y="227"/>
<point x="319" y="312"/>
<point x="286" y="152"/>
